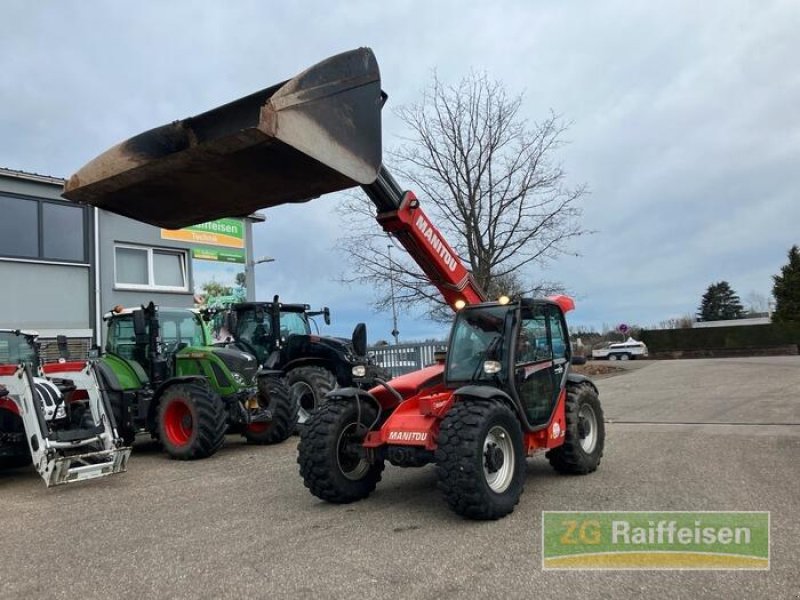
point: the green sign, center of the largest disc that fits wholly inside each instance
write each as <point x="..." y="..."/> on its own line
<point x="655" y="540"/>
<point x="219" y="255"/>
<point x="222" y="232"/>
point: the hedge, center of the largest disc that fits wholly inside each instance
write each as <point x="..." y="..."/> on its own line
<point x="731" y="337"/>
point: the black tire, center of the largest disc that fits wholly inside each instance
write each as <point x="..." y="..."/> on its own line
<point x="308" y="387"/>
<point x="17" y="454"/>
<point x="475" y="482"/>
<point x="273" y="393"/>
<point x="191" y="421"/>
<point x="121" y="416"/>
<point x="16" y="461"/>
<point x="612" y="357"/>
<point x="576" y="456"/>
<point x="328" y="472"/>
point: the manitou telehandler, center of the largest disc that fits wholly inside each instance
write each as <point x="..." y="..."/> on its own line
<point x="54" y="415"/>
<point x="503" y="391"/>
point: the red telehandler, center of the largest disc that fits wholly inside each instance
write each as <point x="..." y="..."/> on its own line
<point x="505" y="389"/>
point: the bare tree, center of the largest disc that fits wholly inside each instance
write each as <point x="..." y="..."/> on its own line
<point x="489" y="180"/>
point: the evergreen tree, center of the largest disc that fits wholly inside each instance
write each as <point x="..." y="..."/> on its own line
<point x="787" y="289"/>
<point x="720" y="303"/>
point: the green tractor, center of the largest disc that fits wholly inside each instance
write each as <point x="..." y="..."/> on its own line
<point x="164" y="377"/>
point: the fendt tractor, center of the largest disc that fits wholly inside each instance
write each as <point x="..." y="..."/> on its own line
<point x="54" y="415"/>
<point x="280" y="336"/>
<point x="501" y="394"/>
<point x="164" y="377"/>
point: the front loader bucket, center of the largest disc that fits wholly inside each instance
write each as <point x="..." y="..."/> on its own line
<point x="316" y="133"/>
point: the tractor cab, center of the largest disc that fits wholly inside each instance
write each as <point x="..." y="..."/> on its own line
<point x="264" y="327"/>
<point x="519" y="347"/>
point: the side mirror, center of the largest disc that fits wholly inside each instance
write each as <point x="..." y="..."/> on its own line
<point x="326" y="315"/>
<point x="231" y="321"/>
<point x="360" y="340"/>
<point x="140" y="326"/>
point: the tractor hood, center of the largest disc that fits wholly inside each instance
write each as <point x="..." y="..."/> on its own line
<point x="237" y="361"/>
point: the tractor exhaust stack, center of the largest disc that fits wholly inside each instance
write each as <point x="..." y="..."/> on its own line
<point x="316" y="133"/>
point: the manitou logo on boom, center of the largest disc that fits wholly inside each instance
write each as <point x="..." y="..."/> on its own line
<point x="408" y="436"/>
<point x="438" y="245"/>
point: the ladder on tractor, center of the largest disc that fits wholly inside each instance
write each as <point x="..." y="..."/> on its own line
<point x="66" y="452"/>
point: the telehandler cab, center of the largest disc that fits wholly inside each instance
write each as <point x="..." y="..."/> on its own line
<point x="478" y="415"/>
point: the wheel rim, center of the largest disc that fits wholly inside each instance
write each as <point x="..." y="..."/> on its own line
<point x="178" y="423"/>
<point x="587" y="428"/>
<point x="612" y="357"/>
<point x="351" y="465"/>
<point x="498" y="459"/>
<point x="303" y="395"/>
<point x="624" y="357"/>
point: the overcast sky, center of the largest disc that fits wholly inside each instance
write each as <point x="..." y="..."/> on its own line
<point x="686" y="122"/>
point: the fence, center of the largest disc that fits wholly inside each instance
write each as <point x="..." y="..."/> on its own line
<point x="404" y="358"/>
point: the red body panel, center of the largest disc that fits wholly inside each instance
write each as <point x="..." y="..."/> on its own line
<point x="65" y="367"/>
<point x="411" y="226"/>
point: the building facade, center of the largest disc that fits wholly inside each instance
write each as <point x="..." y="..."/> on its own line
<point x="62" y="266"/>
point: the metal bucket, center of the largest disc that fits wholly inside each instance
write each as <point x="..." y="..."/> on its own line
<point x="319" y="132"/>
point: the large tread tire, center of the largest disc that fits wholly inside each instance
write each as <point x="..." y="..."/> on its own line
<point x="20" y="455"/>
<point x="571" y="458"/>
<point x="116" y="400"/>
<point x="191" y="421"/>
<point x="274" y="394"/>
<point x="319" y="457"/>
<point x="463" y="463"/>
<point x="308" y="387"/>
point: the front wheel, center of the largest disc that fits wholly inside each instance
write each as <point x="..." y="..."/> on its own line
<point x="273" y="394"/>
<point x="480" y="460"/>
<point x="308" y="387"/>
<point x="191" y="421"/>
<point x="333" y="462"/>
<point x="585" y="435"/>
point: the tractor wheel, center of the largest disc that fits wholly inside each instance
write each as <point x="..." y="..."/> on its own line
<point x="20" y="455"/>
<point x="117" y="400"/>
<point x="329" y="453"/>
<point x="15" y="462"/>
<point x="191" y="421"/>
<point x="308" y="386"/>
<point x="480" y="460"/>
<point x="585" y="433"/>
<point x="273" y="393"/>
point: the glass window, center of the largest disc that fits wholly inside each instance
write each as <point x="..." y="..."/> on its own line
<point x="151" y="268"/>
<point x="132" y="266"/>
<point x="559" y="339"/>
<point x="477" y="336"/>
<point x="293" y="323"/>
<point x="168" y="269"/>
<point x="62" y="232"/>
<point x="19" y="227"/>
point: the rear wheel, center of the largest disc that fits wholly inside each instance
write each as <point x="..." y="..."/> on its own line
<point x="191" y="421"/>
<point x="273" y="393"/>
<point x="584" y="438"/>
<point x="308" y="387"/>
<point x="480" y="460"/>
<point x="612" y="357"/>
<point x="625" y="357"/>
<point x="332" y="461"/>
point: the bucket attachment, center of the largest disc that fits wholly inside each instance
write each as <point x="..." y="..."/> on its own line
<point x="319" y="132"/>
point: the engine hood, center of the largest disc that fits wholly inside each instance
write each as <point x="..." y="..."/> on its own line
<point x="237" y="361"/>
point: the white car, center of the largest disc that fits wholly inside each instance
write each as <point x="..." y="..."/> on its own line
<point x="627" y="350"/>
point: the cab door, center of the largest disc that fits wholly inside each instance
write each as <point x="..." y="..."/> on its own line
<point x="537" y="371"/>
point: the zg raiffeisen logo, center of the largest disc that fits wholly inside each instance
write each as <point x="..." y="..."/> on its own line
<point x="655" y="540"/>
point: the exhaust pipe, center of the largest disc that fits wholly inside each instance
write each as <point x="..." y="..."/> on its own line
<point x="316" y="133"/>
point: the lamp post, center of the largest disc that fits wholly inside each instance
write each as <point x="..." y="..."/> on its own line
<point x="395" y="333"/>
<point x="250" y="275"/>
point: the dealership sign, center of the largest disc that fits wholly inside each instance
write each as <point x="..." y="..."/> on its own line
<point x="228" y="233"/>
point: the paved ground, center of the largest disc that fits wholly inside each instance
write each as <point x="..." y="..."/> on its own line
<point x="242" y="525"/>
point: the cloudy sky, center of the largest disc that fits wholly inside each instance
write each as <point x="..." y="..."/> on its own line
<point x="686" y="121"/>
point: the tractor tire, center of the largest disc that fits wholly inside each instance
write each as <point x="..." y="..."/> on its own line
<point x="15" y="462"/>
<point x="330" y="470"/>
<point x="273" y="393"/>
<point x="191" y="421"/>
<point x="16" y="454"/>
<point x="480" y="459"/>
<point x="117" y="401"/>
<point x="308" y="387"/>
<point x="584" y="436"/>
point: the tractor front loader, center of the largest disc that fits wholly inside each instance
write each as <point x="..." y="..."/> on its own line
<point x="478" y="414"/>
<point x="55" y="416"/>
<point x="165" y="378"/>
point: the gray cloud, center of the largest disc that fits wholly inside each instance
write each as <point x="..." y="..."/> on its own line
<point x="685" y="121"/>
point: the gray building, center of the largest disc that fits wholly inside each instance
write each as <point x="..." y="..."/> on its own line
<point x="62" y="266"/>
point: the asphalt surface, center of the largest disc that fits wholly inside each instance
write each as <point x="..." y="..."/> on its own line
<point x="682" y="435"/>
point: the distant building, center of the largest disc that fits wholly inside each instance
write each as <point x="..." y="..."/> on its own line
<point x="62" y="265"/>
